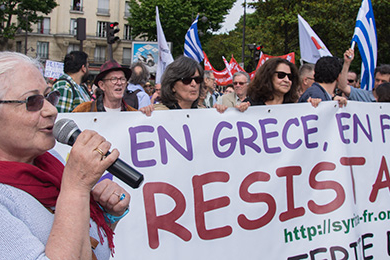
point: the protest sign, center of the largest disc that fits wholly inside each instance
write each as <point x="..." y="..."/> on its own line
<point x="274" y="182"/>
<point x="54" y="69"/>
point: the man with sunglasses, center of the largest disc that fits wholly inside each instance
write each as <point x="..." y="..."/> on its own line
<point x="240" y="83"/>
<point x="381" y="75"/>
<point x="352" y="79"/>
<point x="76" y="72"/>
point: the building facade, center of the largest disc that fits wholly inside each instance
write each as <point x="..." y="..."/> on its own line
<point x="55" y="36"/>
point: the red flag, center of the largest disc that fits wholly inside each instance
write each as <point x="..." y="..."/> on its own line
<point x="224" y="77"/>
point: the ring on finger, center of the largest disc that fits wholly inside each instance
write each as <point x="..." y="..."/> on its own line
<point x="97" y="149"/>
<point x="121" y="196"/>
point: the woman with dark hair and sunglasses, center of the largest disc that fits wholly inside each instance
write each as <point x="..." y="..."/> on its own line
<point x="48" y="210"/>
<point x="181" y="85"/>
<point x="275" y="82"/>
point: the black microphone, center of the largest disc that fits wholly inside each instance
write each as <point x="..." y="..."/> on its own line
<point x="66" y="131"/>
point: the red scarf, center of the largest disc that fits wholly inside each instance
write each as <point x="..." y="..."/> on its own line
<point x="43" y="182"/>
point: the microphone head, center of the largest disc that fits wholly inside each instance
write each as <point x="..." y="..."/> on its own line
<point x="63" y="130"/>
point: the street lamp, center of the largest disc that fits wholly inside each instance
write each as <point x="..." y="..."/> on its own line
<point x="26" y="36"/>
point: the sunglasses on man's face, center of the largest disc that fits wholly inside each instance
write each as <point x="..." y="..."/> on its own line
<point x="282" y="75"/>
<point x="188" y="80"/>
<point x="239" y="83"/>
<point x="35" y="102"/>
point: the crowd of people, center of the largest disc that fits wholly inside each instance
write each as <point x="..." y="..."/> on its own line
<point x="277" y="81"/>
<point x="54" y="210"/>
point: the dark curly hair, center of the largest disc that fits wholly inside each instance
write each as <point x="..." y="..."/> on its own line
<point x="74" y="61"/>
<point x="382" y="69"/>
<point x="261" y="88"/>
<point x="327" y="69"/>
<point x="182" y="67"/>
<point x="383" y="92"/>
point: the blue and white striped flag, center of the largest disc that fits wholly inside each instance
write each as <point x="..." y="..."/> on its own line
<point x="365" y="37"/>
<point x="192" y="46"/>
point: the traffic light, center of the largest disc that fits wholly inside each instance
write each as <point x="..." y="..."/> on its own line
<point x="111" y="31"/>
<point x="80" y="30"/>
<point x="256" y="52"/>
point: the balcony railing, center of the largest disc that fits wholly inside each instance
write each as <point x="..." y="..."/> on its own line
<point x="43" y="31"/>
<point x="101" y="34"/>
<point x="99" y="59"/>
<point x="43" y="55"/>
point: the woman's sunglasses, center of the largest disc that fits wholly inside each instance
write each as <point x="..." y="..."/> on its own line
<point x="35" y="102"/>
<point x="282" y="75"/>
<point x="188" y="80"/>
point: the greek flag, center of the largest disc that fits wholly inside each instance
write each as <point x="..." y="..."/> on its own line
<point x="192" y="46"/>
<point x="365" y="37"/>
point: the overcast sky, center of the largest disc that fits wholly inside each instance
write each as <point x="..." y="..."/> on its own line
<point x="234" y="16"/>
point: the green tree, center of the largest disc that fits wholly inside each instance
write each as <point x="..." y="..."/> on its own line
<point x="27" y="12"/>
<point x="332" y="20"/>
<point x="176" y="17"/>
<point x="274" y="24"/>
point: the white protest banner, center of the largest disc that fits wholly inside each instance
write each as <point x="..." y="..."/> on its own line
<point x="274" y="182"/>
<point x="53" y="69"/>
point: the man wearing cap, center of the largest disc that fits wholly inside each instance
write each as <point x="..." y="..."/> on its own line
<point x="69" y="84"/>
<point x="111" y="82"/>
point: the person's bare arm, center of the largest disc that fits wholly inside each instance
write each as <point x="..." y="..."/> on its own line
<point x="69" y="237"/>
<point x="342" y="80"/>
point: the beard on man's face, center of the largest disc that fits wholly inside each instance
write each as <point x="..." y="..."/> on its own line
<point x="85" y="77"/>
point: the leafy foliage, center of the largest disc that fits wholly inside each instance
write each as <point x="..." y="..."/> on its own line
<point x="176" y="17"/>
<point x="27" y="12"/>
<point x="274" y="25"/>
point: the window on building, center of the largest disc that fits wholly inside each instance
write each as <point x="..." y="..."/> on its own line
<point x="103" y="7"/>
<point x="73" y="27"/>
<point x="127" y="9"/>
<point x="18" y="46"/>
<point x="126" y="58"/>
<point x="44" y="26"/>
<point x="101" y="29"/>
<point x="100" y="54"/>
<point x="73" y="47"/>
<point x="43" y="50"/>
<point x="127" y="32"/>
<point x="77" y="5"/>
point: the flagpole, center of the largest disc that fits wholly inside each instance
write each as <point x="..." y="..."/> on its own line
<point x="352" y="47"/>
<point x="243" y="37"/>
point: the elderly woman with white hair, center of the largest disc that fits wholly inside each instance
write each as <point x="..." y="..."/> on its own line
<point x="48" y="210"/>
